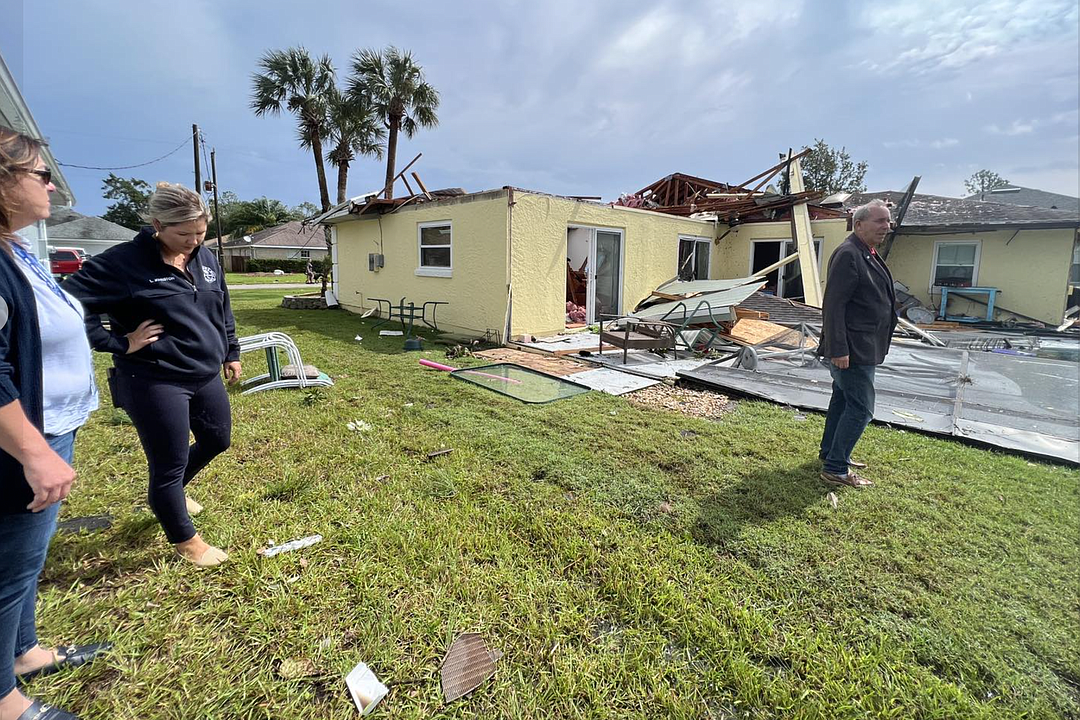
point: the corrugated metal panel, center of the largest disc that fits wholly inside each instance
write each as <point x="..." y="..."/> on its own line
<point x="714" y="305"/>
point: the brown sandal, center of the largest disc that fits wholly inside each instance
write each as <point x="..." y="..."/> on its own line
<point x="850" y="480"/>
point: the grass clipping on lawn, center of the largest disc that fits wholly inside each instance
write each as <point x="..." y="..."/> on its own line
<point x="629" y="562"/>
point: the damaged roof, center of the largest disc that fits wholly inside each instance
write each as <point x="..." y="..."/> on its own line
<point x="936" y="211"/>
<point x="1017" y="195"/>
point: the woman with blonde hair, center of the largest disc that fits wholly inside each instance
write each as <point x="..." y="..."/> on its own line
<point x="171" y="333"/>
<point x="46" y="393"/>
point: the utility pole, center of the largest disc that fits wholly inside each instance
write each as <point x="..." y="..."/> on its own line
<point x="195" y="147"/>
<point x="217" y="213"/>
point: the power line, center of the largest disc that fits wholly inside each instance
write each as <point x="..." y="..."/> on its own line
<point x="129" y="167"/>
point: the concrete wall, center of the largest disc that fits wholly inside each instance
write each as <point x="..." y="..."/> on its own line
<point x="731" y="259"/>
<point x="539" y="224"/>
<point x="477" y="287"/>
<point x="1031" y="270"/>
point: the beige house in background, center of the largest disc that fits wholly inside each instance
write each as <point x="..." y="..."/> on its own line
<point x="289" y="241"/>
<point x="1030" y="254"/>
<point x="500" y="258"/>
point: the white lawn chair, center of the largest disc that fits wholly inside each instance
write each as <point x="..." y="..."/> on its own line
<point x="293" y="375"/>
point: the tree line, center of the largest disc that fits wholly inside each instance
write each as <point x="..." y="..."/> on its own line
<point x="384" y="95"/>
<point x="238" y="217"/>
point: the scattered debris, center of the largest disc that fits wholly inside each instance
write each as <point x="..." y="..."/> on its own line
<point x="833" y="500"/>
<point x="799" y="417"/>
<point x="468" y="663"/>
<point x="391" y="333"/>
<point x="688" y="433"/>
<point x="545" y="363"/>
<point x="439" y="453"/>
<point x="697" y="403"/>
<point x="358" y="338"/>
<point x="291" y="669"/>
<point x="304" y="542"/>
<point x="87" y="524"/>
<point x="358" y="426"/>
<point x="365" y="688"/>
<point x="382" y="478"/>
<point x="458" y="351"/>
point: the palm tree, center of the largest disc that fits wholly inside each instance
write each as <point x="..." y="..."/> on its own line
<point x="250" y="216"/>
<point x="354" y="130"/>
<point x="395" y="87"/>
<point x="293" y="80"/>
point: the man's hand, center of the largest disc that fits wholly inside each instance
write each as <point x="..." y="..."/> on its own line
<point x="232" y="372"/>
<point x="147" y="332"/>
<point x="841" y="363"/>
<point x="49" y="477"/>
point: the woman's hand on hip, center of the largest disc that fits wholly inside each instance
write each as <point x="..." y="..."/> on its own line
<point x="232" y="371"/>
<point x="49" y="477"/>
<point x="147" y="332"/>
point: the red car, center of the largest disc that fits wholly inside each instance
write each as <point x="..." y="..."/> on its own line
<point x="65" y="261"/>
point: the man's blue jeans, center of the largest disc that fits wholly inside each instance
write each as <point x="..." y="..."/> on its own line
<point x="24" y="541"/>
<point x="850" y="411"/>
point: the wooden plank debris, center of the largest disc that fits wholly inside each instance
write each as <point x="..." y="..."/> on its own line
<point x="804" y="238"/>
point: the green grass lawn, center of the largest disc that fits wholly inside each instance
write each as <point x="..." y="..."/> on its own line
<point x="629" y="563"/>
<point x="254" y="279"/>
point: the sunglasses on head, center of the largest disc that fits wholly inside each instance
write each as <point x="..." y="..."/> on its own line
<point x="45" y="174"/>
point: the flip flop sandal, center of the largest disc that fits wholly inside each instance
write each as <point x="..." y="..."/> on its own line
<point x="40" y="711"/>
<point x="73" y="657"/>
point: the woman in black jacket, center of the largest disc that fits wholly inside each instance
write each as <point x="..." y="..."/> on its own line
<point x="171" y="335"/>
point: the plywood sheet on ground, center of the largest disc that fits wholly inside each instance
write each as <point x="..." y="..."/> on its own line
<point x="550" y="364"/>
<point x="749" y="331"/>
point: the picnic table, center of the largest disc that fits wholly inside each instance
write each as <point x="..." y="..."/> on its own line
<point x="408" y="313"/>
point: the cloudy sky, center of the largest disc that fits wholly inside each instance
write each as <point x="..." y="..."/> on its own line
<point x="587" y="98"/>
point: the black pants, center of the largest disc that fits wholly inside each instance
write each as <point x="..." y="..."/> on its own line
<point x="166" y="413"/>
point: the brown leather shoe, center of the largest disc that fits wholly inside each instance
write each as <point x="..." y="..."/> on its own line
<point x="852" y="462"/>
<point x="850" y="479"/>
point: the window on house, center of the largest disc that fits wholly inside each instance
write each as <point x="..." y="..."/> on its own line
<point x="956" y="264"/>
<point x="694" y="258"/>
<point x="435" y="249"/>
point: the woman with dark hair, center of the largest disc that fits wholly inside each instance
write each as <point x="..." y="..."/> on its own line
<point x="39" y="328"/>
<point x="171" y="334"/>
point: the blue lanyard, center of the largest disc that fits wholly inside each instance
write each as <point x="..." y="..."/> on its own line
<point x="35" y="265"/>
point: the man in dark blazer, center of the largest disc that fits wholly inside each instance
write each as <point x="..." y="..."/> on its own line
<point x="858" y="319"/>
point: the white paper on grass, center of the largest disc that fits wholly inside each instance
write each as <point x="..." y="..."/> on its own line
<point x="365" y="688"/>
<point x="291" y="545"/>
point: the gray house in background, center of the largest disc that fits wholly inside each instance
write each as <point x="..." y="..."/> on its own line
<point x="1016" y="195"/>
<point x="67" y="228"/>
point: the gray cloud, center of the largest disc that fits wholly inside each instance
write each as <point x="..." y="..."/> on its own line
<point x="584" y="98"/>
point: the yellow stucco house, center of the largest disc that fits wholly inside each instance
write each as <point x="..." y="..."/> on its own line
<point x="501" y="258"/>
<point x="1030" y="255"/>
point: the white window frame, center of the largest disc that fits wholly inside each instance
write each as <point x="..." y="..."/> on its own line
<point x="708" y="259"/>
<point x="590" y="303"/>
<point x="429" y="270"/>
<point x="819" y="241"/>
<point x="934" y="262"/>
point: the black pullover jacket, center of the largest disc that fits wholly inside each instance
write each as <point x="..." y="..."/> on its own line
<point x="131" y="283"/>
